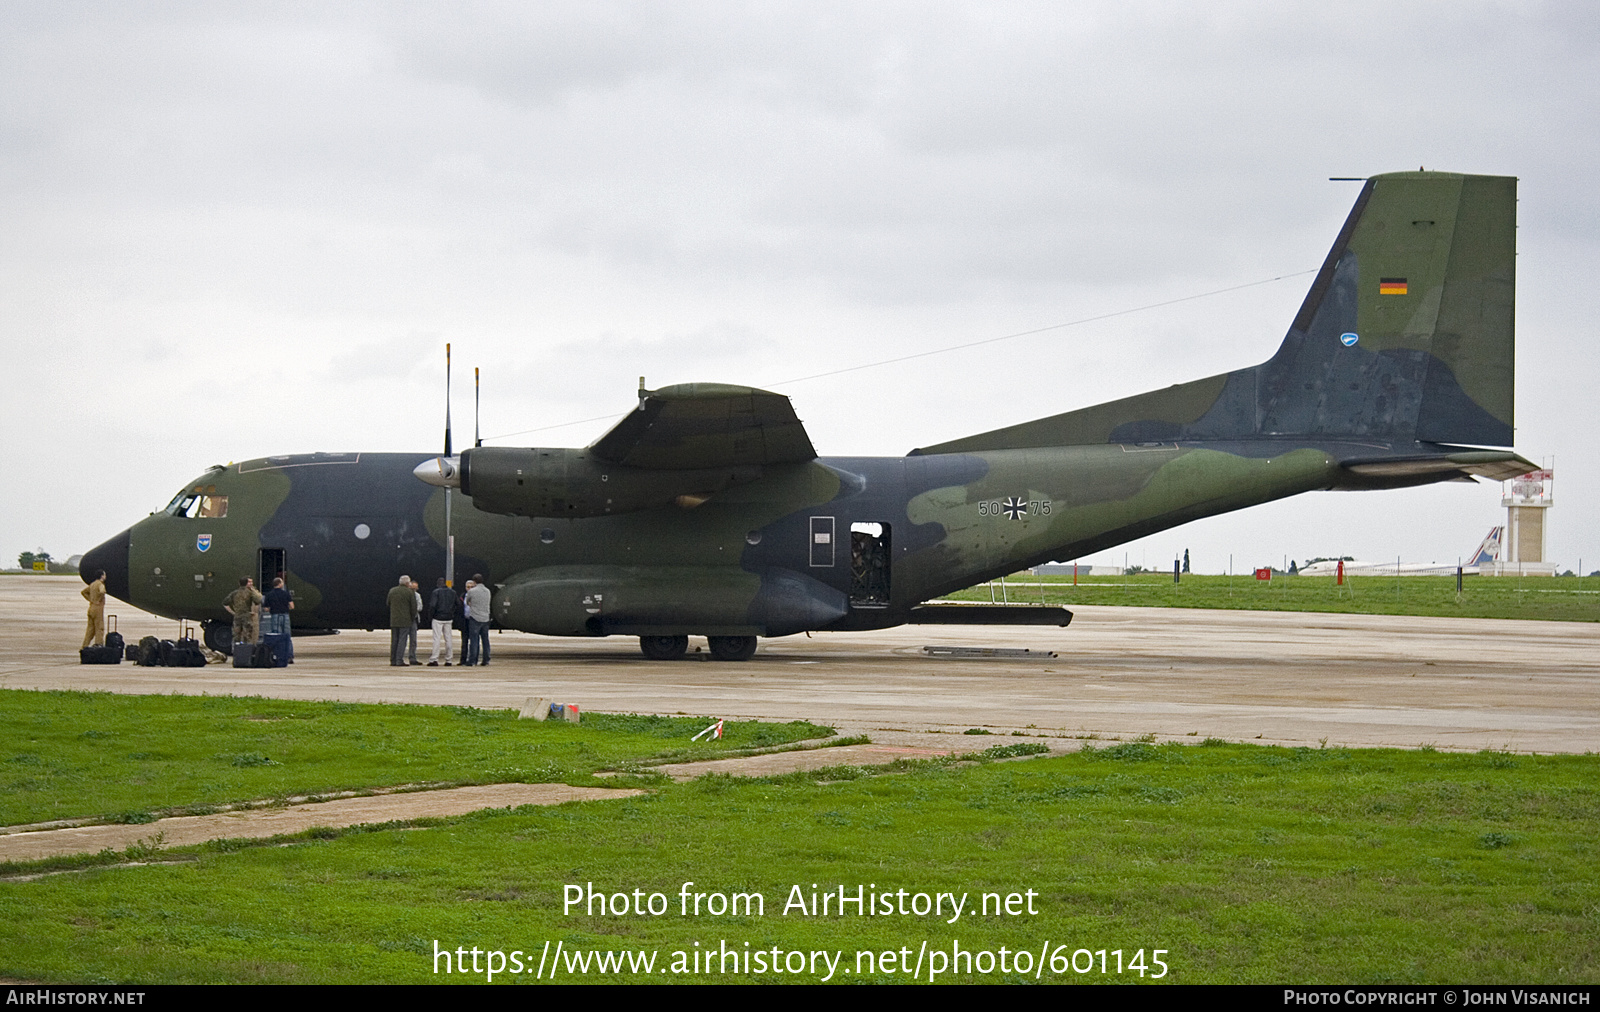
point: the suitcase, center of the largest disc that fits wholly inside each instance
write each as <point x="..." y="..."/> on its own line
<point x="278" y="644"/>
<point x="260" y="655"/>
<point x="149" y="652"/>
<point x="186" y="653"/>
<point x="110" y="653"/>
<point x="243" y="655"/>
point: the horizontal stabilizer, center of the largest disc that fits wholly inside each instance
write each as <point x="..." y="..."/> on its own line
<point x="701" y="425"/>
<point x="988" y="614"/>
<point x="1495" y="465"/>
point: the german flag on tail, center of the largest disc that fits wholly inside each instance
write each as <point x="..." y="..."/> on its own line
<point x="1392" y="286"/>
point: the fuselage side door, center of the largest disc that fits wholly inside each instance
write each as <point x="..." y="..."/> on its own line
<point x="822" y="542"/>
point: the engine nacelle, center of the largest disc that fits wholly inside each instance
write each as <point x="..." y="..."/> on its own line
<point x="575" y="483"/>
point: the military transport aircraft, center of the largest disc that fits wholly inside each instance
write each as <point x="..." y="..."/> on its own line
<point x="706" y="511"/>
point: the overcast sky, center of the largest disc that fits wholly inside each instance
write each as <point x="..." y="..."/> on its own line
<point x="232" y="230"/>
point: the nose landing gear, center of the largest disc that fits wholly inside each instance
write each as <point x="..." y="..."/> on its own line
<point x="663" y="648"/>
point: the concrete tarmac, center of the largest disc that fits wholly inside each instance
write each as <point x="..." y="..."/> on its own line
<point x="1273" y="677"/>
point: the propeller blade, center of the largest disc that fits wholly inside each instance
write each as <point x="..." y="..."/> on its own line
<point x="447" y="452"/>
<point x="477" y="439"/>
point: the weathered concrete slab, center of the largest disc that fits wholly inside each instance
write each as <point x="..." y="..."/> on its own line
<point x="775" y="763"/>
<point x="187" y="830"/>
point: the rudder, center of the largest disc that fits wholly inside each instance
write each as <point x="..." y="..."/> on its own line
<point x="1407" y="331"/>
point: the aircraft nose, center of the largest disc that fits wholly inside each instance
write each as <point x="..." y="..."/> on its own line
<point x="444" y="472"/>
<point x="111" y="556"/>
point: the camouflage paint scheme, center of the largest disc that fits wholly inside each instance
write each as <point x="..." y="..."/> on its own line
<point x="699" y="512"/>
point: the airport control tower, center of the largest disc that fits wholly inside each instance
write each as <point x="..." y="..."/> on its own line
<point x="1526" y="498"/>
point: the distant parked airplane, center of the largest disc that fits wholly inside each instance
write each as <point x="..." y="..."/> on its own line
<point x="1486" y="554"/>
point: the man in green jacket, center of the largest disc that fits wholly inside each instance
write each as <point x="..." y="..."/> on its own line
<point x="402" y="619"/>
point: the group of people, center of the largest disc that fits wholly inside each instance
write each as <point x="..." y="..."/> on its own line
<point x="255" y="613"/>
<point x="406" y="609"/>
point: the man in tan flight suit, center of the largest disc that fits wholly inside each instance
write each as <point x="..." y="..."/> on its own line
<point x="95" y="594"/>
<point x="242" y="605"/>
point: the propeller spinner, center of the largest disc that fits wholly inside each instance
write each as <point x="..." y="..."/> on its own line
<point x="441" y="472"/>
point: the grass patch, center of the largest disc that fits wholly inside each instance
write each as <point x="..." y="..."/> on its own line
<point x="1565" y="599"/>
<point x="130" y="759"/>
<point x="1245" y="863"/>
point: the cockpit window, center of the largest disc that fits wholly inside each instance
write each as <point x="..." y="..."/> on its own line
<point x="198" y="505"/>
<point x="212" y="506"/>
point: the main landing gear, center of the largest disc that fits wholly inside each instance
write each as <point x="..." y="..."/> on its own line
<point x="673" y="648"/>
<point x="218" y="636"/>
<point x="732" y="648"/>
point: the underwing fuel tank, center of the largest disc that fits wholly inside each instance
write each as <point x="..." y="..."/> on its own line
<point x="573" y="483"/>
<point x="665" y="601"/>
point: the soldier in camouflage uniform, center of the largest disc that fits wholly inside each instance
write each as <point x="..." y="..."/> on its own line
<point x="242" y="605"/>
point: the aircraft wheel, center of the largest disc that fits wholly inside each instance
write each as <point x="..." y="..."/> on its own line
<point x="732" y="648"/>
<point x="218" y="636"/>
<point x="664" y="648"/>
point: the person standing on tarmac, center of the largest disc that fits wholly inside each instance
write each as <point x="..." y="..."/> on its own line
<point x="441" y="610"/>
<point x="402" y="602"/>
<point x="95" y="594"/>
<point x="241" y="604"/>
<point x="276" y="604"/>
<point x="477" y="602"/>
<point x="416" y="620"/>
<point x="462" y="622"/>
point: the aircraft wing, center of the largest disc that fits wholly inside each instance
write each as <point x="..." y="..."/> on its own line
<point x="699" y="425"/>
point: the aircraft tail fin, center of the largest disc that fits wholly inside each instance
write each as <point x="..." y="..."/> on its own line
<point x="1488" y="550"/>
<point x="1405" y="335"/>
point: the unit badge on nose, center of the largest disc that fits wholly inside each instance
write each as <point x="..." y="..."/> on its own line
<point x="203" y="542"/>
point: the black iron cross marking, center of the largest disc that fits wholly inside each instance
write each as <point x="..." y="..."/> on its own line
<point x="1015" y="508"/>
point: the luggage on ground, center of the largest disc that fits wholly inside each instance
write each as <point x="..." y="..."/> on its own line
<point x="186" y="653"/>
<point x="149" y="653"/>
<point x="278" y="644"/>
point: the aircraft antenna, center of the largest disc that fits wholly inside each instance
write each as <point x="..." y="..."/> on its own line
<point x="449" y="537"/>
